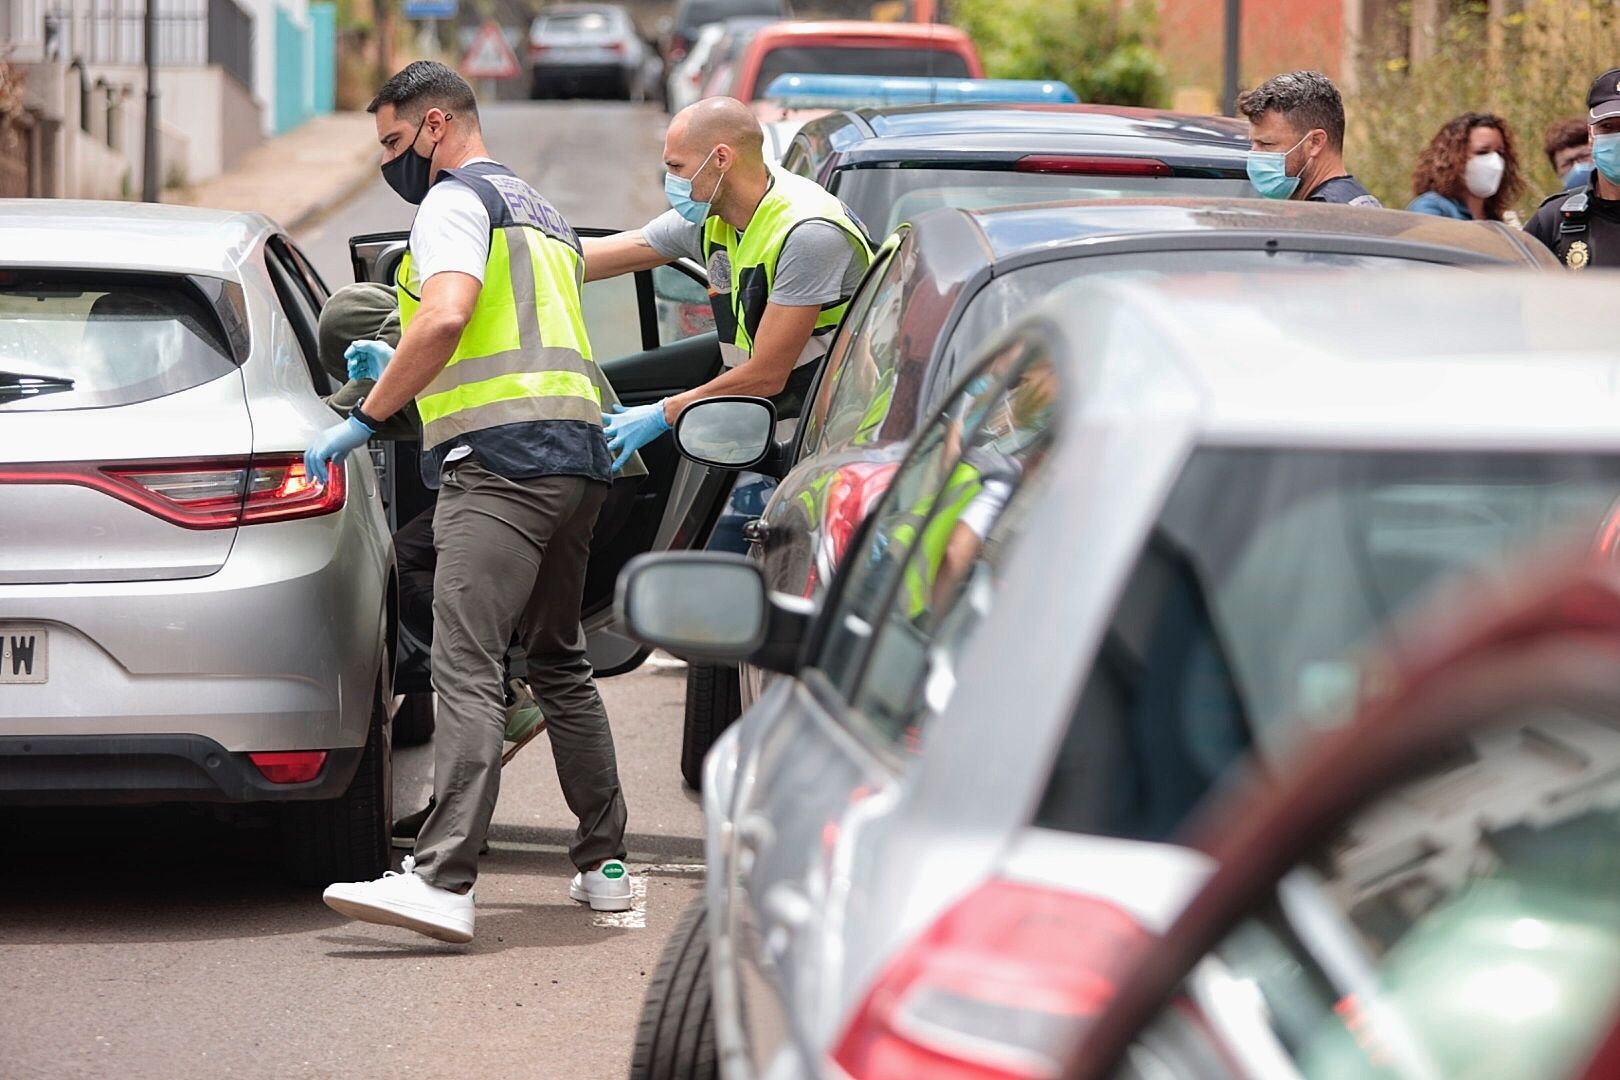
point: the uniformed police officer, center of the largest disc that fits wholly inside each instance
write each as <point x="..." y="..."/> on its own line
<point x="783" y="256"/>
<point x="494" y="352"/>
<point x="1583" y="226"/>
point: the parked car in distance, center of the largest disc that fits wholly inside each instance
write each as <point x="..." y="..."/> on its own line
<point x="851" y="48"/>
<point x="691" y="16"/>
<point x="687" y="77"/>
<point x="798" y="98"/>
<point x="587" y="50"/>
<point x="1159" y="529"/>
<point x="186" y="616"/>
<point x="889" y="163"/>
<point x="948" y="281"/>
<point x="1428" y="892"/>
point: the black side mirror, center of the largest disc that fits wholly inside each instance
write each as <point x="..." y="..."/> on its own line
<point x="712" y="607"/>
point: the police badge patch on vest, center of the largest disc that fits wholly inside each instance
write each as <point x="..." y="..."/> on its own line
<point x="1578" y="256"/>
<point x="719" y="271"/>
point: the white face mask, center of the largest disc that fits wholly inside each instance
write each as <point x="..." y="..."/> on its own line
<point x="1483" y="174"/>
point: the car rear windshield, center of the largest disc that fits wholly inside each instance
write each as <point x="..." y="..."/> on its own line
<point x="883" y="198"/>
<point x="847" y="60"/>
<point x="583" y="22"/>
<point x="72" y="341"/>
<point x="1261" y="603"/>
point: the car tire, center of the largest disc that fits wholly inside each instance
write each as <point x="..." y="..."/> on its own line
<point x="713" y="703"/>
<point x="347" y="838"/>
<point x="675" y="1037"/>
<point x="413" y="723"/>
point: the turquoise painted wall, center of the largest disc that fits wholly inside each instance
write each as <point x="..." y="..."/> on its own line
<point x="294" y="77"/>
<point x="323" y="41"/>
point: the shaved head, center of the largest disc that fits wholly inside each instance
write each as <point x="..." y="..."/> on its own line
<point x="718" y="121"/>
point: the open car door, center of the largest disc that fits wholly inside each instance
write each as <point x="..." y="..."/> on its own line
<point x="653" y="335"/>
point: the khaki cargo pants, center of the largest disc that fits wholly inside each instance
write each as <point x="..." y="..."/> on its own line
<point x="511" y="559"/>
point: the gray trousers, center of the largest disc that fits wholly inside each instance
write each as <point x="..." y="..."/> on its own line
<point x="512" y="556"/>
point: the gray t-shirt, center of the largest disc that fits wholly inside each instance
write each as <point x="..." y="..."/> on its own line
<point x="818" y="264"/>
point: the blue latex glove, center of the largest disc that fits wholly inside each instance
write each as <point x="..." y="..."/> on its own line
<point x="628" y="430"/>
<point x="334" y="445"/>
<point x="368" y="358"/>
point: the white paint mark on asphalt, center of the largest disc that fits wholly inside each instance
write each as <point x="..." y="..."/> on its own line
<point x="662" y="661"/>
<point x="636" y="917"/>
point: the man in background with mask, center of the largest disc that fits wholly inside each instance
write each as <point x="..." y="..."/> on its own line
<point x="493" y="350"/>
<point x="1296" y="130"/>
<point x="1582" y="226"/>
<point x="783" y="257"/>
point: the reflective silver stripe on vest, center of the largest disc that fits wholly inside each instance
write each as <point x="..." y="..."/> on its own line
<point x="732" y="354"/>
<point x="522" y="273"/>
<point x="519" y="361"/>
<point x="510" y="411"/>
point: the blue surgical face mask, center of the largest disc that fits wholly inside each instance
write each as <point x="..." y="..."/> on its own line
<point x="1606" y="156"/>
<point x="678" y="190"/>
<point x="1268" y="171"/>
<point x="1578" y="176"/>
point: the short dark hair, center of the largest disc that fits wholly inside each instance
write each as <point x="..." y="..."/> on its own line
<point x="424" y="85"/>
<point x="1306" y="99"/>
<point x="1565" y="135"/>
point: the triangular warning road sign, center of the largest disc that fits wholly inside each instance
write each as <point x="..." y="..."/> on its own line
<point x="490" y="57"/>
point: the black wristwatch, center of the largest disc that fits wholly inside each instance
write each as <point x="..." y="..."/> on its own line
<point x="364" y="418"/>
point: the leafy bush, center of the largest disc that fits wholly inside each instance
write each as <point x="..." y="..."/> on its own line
<point x="1102" y="48"/>
<point x="1533" y="68"/>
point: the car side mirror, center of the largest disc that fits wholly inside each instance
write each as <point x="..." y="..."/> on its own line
<point x="712" y="607"/>
<point x="727" y="432"/>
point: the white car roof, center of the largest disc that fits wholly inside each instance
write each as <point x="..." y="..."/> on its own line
<point x="127" y="236"/>
<point x="1422" y="358"/>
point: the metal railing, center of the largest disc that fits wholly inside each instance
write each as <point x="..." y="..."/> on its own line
<point x="230" y="39"/>
<point x="190" y="33"/>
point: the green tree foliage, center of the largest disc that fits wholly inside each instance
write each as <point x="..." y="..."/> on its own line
<point x="1533" y="68"/>
<point x="1102" y="48"/>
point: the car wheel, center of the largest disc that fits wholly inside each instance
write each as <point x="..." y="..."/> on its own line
<point x="413" y="723"/>
<point x="675" y="1037"/>
<point x="713" y="702"/>
<point x="347" y="838"/>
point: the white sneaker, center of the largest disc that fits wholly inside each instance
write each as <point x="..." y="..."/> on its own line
<point x="404" y="899"/>
<point x="607" y="888"/>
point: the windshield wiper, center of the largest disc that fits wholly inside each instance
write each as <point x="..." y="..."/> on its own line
<point x="14" y="384"/>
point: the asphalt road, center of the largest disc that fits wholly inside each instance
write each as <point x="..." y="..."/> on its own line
<point x="158" y="943"/>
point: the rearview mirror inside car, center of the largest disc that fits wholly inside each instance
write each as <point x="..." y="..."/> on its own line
<point x="711" y="607"/>
<point x="726" y="432"/>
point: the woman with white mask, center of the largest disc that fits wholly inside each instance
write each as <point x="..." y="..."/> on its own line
<point x="1469" y="171"/>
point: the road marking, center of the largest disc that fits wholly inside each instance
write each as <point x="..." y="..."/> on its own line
<point x="662" y="661"/>
<point x="636" y="917"/>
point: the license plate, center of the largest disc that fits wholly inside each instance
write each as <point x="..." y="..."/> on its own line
<point x="22" y="654"/>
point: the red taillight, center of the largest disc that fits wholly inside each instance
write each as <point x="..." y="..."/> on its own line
<point x="995" y="989"/>
<point x="289" y="766"/>
<point x="1092" y="166"/>
<point x="616" y="47"/>
<point x="537" y="50"/>
<point x="201" y="493"/>
<point x="850" y="497"/>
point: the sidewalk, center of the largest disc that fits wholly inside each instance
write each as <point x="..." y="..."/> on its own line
<point x="296" y="177"/>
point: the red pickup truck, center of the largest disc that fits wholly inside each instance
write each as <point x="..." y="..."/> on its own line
<point x="852" y="48"/>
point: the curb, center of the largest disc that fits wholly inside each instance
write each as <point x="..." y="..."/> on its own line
<point x="312" y="214"/>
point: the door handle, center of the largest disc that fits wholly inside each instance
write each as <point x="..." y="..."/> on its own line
<point x="756" y="531"/>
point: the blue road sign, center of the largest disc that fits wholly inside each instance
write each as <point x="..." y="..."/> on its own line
<point x="430" y="9"/>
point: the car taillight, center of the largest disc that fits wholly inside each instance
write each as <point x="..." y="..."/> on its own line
<point x="289" y="766"/>
<point x="616" y="47"/>
<point x="537" y="50"/>
<point x="201" y="493"/>
<point x="994" y="990"/>
<point x="850" y="497"/>
<point x="1092" y="166"/>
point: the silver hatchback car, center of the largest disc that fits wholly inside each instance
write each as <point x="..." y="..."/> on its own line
<point x="185" y="615"/>
<point x="1156" y="531"/>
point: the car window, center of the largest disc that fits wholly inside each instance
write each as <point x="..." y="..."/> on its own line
<point x="858" y="380"/>
<point x="1200" y="663"/>
<point x="313" y="283"/>
<point x="82" y="340"/>
<point x="796" y="159"/>
<point x="612" y="310"/>
<point x="683" y="305"/>
<point x="917" y="586"/>
<point x="843" y="60"/>
<point x="1465" y="924"/>
<point x="302" y="312"/>
<point x="883" y="198"/>
<point x="1010" y="294"/>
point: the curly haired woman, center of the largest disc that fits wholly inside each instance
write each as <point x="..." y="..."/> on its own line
<point x="1469" y="171"/>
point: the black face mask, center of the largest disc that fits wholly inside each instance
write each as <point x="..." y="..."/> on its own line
<point x="410" y="174"/>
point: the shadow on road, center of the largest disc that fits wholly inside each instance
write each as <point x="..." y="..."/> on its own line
<point x="501" y="927"/>
<point x="144" y="874"/>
